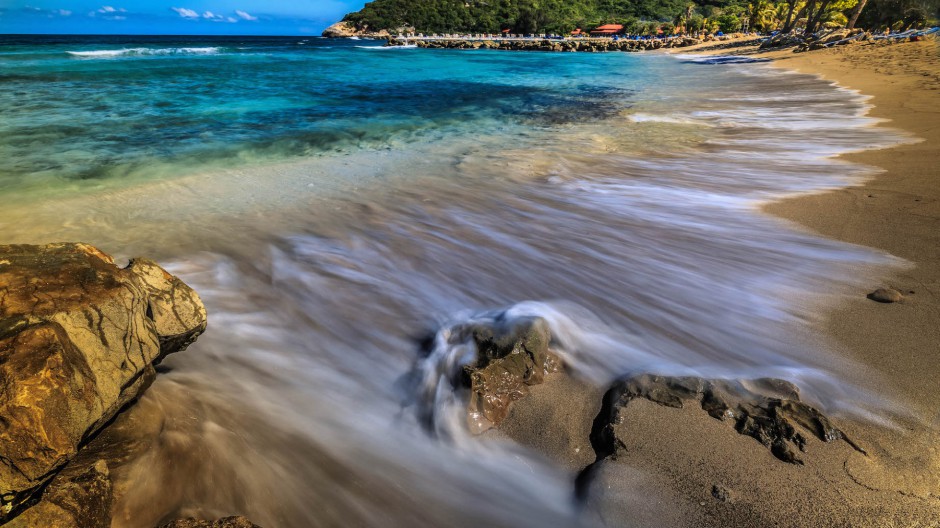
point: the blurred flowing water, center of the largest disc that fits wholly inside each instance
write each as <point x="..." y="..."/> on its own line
<point x="335" y="202"/>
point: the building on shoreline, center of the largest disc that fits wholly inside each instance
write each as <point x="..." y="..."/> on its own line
<point x="607" y="30"/>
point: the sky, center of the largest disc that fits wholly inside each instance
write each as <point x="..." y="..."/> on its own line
<point x="173" y="17"/>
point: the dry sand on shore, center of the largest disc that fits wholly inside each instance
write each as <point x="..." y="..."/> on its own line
<point x="680" y="467"/>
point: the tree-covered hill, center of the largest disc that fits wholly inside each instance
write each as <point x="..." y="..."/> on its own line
<point x="639" y="16"/>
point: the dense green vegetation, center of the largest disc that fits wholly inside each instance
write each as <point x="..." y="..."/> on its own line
<point x="639" y="16"/>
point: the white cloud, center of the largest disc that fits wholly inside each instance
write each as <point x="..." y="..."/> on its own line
<point x="109" y="13"/>
<point x="209" y="15"/>
<point x="230" y="19"/>
<point x="49" y="13"/>
<point x="185" y="13"/>
<point x="244" y="15"/>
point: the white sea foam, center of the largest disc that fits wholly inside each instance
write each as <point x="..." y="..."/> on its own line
<point x="99" y="54"/>
<point x="672" y="118"/>
<point x="376" y="48"/>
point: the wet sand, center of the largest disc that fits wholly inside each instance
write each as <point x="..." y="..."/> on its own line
<point x="680" y="467"/>
<point x="681" y="455"/>
<point x="898" y="211"/>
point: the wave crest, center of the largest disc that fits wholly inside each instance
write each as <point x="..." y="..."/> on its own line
<point x="143" y="52"/>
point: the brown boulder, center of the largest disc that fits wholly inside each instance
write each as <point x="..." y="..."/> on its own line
<point x="510" y="356"/>
<point x="79" y="338"/>
<point x="80" y="497"/>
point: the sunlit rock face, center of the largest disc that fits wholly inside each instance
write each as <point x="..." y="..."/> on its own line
<point x="79" y="338"/>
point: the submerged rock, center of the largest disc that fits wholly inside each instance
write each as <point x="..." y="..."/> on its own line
<point x="768" y="410"/>
<point x="79" y="338"/>
<point x="509" y="359"/>
<point x="499" y="358"/>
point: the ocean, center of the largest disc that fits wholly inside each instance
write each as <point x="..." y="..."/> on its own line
<point x="334" y="202"/>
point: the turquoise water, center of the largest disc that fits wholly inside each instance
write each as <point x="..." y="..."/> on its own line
<point x="77" y="109"/>
<point x="335" y="202"/>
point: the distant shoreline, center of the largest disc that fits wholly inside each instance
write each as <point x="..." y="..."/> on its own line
<point x="558" y="44"/>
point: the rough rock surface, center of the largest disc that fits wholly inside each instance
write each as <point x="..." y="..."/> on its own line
<point x="79" y="338"/>
<point x="340" y="30"/>
<point x="768" y="410"/>
<point x="346" y="30"/>
<point x="510" y="356"/>
<point x="226" y="522"/>
<point x="820" y="40"/>
<point x="80" y="496"/>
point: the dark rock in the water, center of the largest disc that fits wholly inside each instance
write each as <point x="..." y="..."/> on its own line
<point x="886" y="295"/>
<point x="80" y="497"/>
<point x="768" y="410"/>
<point x="78" y="340"/>
<point x="510" y="356"/>
<point x="226" y="522"/>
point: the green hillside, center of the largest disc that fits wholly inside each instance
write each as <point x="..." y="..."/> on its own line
<point x="639" y="16"/>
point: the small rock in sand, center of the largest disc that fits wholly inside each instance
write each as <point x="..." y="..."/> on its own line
<point x="886" y="295"/>
<point x="721" y="493"/>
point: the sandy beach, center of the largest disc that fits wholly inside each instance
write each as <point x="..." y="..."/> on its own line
<point x="681" y="467"/>
<point x="687" y="456"/>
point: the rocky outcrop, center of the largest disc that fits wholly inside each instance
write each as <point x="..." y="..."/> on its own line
<point x="824" y="39"/>
<point x="769" y="410"/>
<point x="346" y="30"/>
<point x="78" y="496"/>
<point x="584" y="45"/>
<point x="226" y="522"/>
<point x="340" y="30"/>
<point x="79" y="338"/>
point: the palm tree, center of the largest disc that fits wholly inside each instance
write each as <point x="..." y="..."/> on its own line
<point x="855" y="12"/>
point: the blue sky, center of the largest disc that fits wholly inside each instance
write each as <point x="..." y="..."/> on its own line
<point x="173" y="17"/>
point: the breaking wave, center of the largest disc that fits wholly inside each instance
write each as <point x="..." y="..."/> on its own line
<point x="100" y="54"/>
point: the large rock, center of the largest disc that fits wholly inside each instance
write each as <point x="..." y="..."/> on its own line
<point x="340" y="30"/>
<point x="768" y="410"/>
<point x="346" y="30"/>
<point x="79" y="338"/>
<point x="79" y="496"/>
